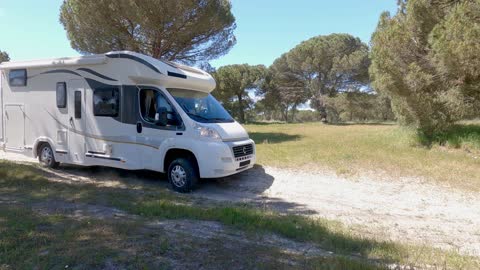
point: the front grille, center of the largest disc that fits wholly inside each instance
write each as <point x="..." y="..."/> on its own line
<point x="243" y="150"/>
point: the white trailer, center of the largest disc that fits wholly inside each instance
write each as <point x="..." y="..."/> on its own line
<point x="123" y="110"/>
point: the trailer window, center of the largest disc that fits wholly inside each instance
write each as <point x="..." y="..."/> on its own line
<point x="61" y="95"/>
<point x="106" y="102"/>
<point x="78" y="104"/>
<point x="18" y="77"/>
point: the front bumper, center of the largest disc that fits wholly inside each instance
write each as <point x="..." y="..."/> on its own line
<point x="216" y="159"/>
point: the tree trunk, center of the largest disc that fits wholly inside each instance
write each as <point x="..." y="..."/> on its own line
<point x="323" y="113"/>
<point x="285" y="115"/>
<point x="323" y="110"/>
<point x="294" y="110"/>
<point x="241" y="113"/>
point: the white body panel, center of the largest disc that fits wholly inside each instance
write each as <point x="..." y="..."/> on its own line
<point x="15" y="118"/>
<point x="30" y="115"/>
<point x="1" y="111"/>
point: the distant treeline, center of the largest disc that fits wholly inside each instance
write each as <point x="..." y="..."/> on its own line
<point x="329" y="74"/>
<point x="344" y="107"/>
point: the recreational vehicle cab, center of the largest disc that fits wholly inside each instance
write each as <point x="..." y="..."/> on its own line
<point x="123" y="110"/>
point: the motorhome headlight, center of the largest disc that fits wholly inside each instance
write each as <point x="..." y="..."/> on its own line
<point x="207" y="132"/>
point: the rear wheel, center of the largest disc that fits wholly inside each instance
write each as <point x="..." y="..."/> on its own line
<point x="182" y="175"/>
<point x="46" y="156"/>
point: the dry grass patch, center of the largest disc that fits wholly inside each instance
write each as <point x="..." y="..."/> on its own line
<point x="383" y="148"/>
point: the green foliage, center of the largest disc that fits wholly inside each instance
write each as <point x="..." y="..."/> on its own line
<point x="4" y="57"/>
<point x="344" y="107"/>
<point x="182" y="30"/>
<point x="284" y="88"/>
<point x="316" y="69"/>
<point x="425" y="59"/>
<point x="331" y="64"/>
<point x="359" y="107"/>
<point x="232" y="84"/>
<point x="303" y="116"/>
<point x="464" y="136"/>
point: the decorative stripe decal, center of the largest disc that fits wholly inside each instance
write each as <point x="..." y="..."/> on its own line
<point x="97" y="74"/>
<point x="96" y="153"/>
<point x="102" y="157"/>
<point x="61" y="71"/>
<point x="134" y="58"/>
<point x="178" y="75"/>
<point x="77" y="74"/>
<point x="100" y="138"/>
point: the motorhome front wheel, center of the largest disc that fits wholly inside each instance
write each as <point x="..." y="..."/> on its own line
<point x="182" y="175"/>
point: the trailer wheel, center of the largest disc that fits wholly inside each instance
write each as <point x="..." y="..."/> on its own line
<point x="46" y="156"/>
<point x="182" y="175"/>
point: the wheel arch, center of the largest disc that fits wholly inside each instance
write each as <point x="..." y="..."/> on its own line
<point x="39" y="141"/>
<point x="174" y="153"/>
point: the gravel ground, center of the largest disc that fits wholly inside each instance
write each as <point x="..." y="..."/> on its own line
<point x="407" y="210"/>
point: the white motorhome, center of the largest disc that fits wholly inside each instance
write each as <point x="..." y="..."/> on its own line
<point x="123" y="110"/>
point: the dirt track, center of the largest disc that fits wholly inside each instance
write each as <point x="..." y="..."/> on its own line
<point x="407" y="210"/>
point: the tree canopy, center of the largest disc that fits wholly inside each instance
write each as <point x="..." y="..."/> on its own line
<point x="181" y="30"/>
<point x="4" y="57"/>
<point x="426" y="59"/>
<point x="283" y="88"/>
<point x="233" y="81"/>
<point x="317" y="69"/>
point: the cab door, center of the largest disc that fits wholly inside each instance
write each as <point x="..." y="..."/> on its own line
<point x="77" y="121"/>
<point x="150" y="135"/>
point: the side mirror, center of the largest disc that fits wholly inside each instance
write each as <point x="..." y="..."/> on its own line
<point x="161" y="116"/>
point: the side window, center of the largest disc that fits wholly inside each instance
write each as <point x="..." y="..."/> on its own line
<point x="150" y="101"/>
<point x="61" y="95"/>
<point x="106" y="102"/>
<point x="78" y="104"/>
<point x="17" y="77"/>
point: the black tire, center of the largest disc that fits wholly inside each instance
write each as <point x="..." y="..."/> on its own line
<point x="46" y="157"/>
<point x="182" y="175"/>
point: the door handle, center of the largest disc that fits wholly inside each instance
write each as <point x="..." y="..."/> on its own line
<point x="71" y="121"/>
<point x="139" y="127"/>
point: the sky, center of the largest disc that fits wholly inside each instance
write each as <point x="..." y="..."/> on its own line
<point x="30" y="29"/>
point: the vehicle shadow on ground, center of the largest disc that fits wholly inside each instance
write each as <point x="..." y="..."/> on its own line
<point x="105" y="175"/>
<point x="246" y="187"/>
<point x="249" y="187"/>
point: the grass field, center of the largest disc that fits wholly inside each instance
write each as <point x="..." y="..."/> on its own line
<point x="386" y="149"/>
<point x="32" y="237"/>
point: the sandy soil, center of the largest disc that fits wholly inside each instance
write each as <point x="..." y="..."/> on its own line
<point x="406" y="210"/>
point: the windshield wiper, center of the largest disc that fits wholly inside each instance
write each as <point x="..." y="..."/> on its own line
<point x="210" y="119"/>
<point x="199" y="116"/>
<point x="222" y="119"/>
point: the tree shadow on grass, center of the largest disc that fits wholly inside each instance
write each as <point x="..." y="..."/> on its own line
<point x="273" y="137"/>
<point x="362" y="124"/>
<point x="459" y="135"/>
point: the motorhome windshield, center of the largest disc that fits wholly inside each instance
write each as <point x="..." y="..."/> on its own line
<point x="201" y="107"/>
